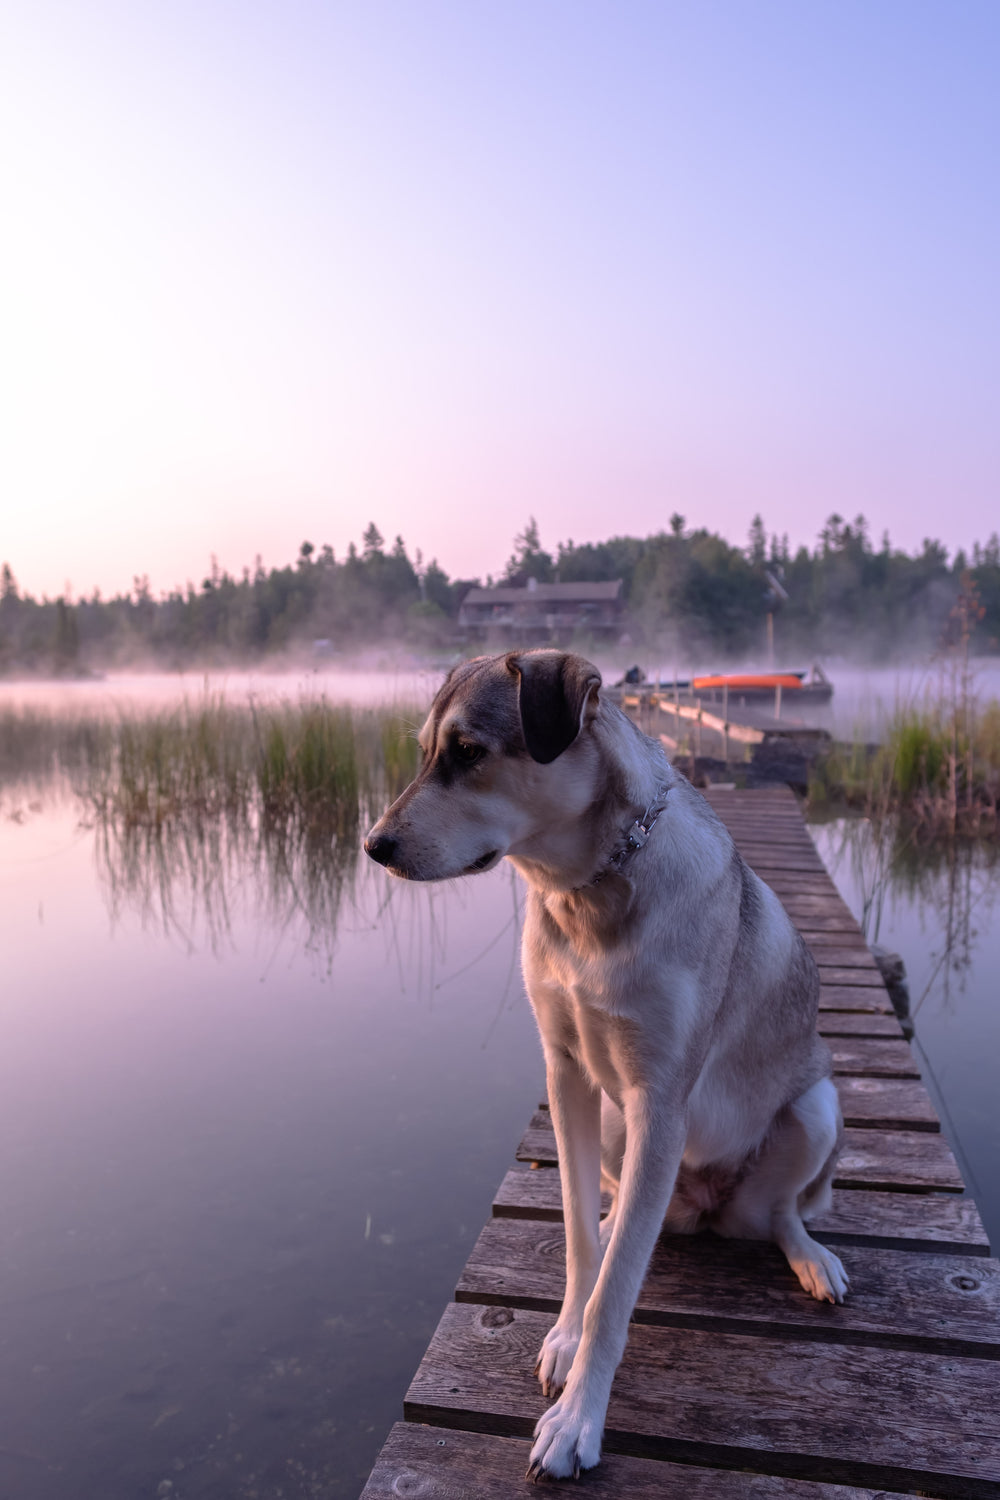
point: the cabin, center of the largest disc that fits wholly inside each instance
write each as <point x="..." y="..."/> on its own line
<point x="543" y="612"/>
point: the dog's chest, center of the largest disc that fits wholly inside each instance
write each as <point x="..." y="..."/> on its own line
<point x="578" y="1003"/>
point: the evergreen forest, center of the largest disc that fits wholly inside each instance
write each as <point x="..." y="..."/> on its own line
<point x="687" y="590"/>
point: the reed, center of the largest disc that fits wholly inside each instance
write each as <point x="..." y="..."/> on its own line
<point x="214" y="798"/>
<point x="307" y="766"/>
<point x="937" y="765"/>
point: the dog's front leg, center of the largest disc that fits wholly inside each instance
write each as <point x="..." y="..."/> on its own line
<point x="568" y="1436"/>
<point x="576" y="1117"/>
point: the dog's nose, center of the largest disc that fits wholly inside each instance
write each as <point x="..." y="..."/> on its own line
<point x="381" y="848"/>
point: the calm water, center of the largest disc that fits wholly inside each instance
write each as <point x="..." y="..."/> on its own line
<point x="244" y="1153"/>
<point x="938" y="908"/>
<point x="241" y="1167"/>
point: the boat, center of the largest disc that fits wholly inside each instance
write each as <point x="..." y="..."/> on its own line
<point x="740" y="688"/>
<point x="812" y="686"/>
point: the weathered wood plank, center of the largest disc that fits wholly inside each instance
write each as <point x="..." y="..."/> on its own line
<point x="449" y="1464"/>
<point x="940" y="1302"/>
<point x="904" y="1221"/>
<point x="900" y="1160"/>
<point x="854" y="1414"/>
<point x="847" y="1023"/>
<point x="840" y="955"/>
<point x="886" y="1103"/>
<point x="840" y="925"/>
<point x="873" y="1057"/>
<point x="754" y="834"/>
<point x="833" y="972"/>
<point x="766" y="857"/>
<point x="871" y="998"/>
<point x="860" y="999"/>
<point x="907" y="1160"/>
<point x="806" y="904"/>
<point x="828" y="947"/>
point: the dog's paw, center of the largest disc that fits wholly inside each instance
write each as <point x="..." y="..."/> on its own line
<point x="566" y="1441"/>
<point x="822" y="1274"/>
<point x="555" y="1358"/>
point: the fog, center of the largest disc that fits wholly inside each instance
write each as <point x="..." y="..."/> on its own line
<point x="864" y="697"/>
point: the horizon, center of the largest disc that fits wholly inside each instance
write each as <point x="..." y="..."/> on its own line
<point x="484" y="578"/>
<point x="273" y="272"/>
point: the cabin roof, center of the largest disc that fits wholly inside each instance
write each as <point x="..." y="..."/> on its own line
<point x="548" y="593"/>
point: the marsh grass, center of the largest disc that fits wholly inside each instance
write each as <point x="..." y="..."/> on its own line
<point x="937" y="766"/>
<point x="194" y="804"/>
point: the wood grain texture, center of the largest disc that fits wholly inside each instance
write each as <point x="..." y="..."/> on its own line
<point x="848" y="1023"/>
<point x="825" y="945"/>
<point x="886" y="1103"/>
<point x="854" y="1415"/>
<point x="911" y="1221"/>
<point x="835" y="970"/>
<point x="873" y="1057"/>
<point x="943" y="1302"/>
<point x="418" y="1463"/>
<point x="906" y="1160"/>
<point x="866" y="996"/>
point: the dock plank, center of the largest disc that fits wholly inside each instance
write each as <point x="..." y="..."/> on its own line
<point x="873" y="998"/>
<point x="886" y="1103"/>
<point x="904" y="1160"/>
<point x="848" y="1023"/>
<point x="853" y="1414"/>
<point x="873" y="1057"/>
<point x="449" y="1464"/>
<point x="902" y="1220"/>
<point x="859" y="976"/>
<point x="747" y="1287"/>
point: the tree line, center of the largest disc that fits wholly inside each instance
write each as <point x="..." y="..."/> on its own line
<point x="686" y="589"/>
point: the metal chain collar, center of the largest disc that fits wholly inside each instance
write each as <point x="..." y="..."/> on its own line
<point x="636" y="838"/>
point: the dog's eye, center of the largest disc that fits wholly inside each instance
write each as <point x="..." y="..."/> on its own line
<point x="468" y="753"/>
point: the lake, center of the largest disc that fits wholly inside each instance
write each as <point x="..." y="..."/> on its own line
<point x="246" y="1147"/>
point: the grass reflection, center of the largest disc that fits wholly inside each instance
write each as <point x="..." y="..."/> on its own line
<point x="951" y="883"/>
<point x="215" y="802"/>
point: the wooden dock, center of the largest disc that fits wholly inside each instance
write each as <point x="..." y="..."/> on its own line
<point x="735" y="1384"/>
<point x="696" y="725"/>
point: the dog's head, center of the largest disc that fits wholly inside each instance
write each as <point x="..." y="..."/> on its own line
<point x="492" y="775"/>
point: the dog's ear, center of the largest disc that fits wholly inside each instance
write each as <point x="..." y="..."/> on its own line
<point x="557" y="692"/>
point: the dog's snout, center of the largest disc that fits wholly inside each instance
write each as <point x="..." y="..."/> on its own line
<point x="381" y="847"/>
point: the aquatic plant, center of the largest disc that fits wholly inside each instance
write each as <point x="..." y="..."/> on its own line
<point x="188" y="801"/>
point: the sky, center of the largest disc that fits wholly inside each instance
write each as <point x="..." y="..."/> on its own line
<point x="270" y="271"/>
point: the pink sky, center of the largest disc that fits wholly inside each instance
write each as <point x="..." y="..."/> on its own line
<point x="270" y="272"/>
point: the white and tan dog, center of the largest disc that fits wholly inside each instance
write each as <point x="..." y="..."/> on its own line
<point x="675" y="1001"/>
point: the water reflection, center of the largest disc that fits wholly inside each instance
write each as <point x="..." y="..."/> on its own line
<point x="935" y="904"/>
<point x="951" y="886"/>
<point x="186" y="878"/>
<point x="239" y="1183"/>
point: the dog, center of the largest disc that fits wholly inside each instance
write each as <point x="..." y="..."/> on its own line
<point x="675" y="1001"/>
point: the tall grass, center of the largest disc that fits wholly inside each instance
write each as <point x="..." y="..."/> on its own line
<point x="188" y="803"/>
<point x="311" y="767"/>
<point x="937" y="765"/>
